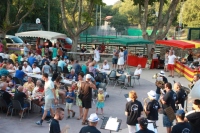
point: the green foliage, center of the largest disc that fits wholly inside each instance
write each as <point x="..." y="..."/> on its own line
<point x="4" y="44"/>
<point x="119" y="22"/>
<point x="191" y="13"/>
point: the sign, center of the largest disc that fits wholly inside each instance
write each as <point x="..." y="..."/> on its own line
<point x="37" y="21"/>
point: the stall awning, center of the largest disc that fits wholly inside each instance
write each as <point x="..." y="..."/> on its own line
<point x="130" y="41"/>
<point x="183" y="44"/>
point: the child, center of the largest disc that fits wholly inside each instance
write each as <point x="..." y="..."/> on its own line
<point x="69" y="101"/>
<point x="100" y="101"/>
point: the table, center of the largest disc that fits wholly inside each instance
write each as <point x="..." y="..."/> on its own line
<point x="185" y="70"/>
<point x="135" y="61"/>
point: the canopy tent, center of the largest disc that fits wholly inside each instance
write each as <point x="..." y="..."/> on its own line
<point x="183" y="44"/>
<point x="41" y="34"/>
<point x="130" y="41"/>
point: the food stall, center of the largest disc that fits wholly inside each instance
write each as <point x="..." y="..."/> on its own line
<point x="133" y="59"/>
<point x="180" y="67"/>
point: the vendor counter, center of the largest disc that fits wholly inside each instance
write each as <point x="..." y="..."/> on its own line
<point x="185" y="70"/>
<point x="135" y="61"/>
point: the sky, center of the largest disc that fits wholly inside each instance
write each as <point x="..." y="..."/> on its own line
<point x="110" y="2"/>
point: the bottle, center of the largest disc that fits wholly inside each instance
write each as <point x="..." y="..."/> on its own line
<point x="74" y="78"/>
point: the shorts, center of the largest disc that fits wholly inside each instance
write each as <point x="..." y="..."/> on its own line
<point x="87" y="104"/>
<point x="114" y="60"/>
<point x="170" y="66"/>
<point x="166" y="121"/>
<point x="69" y="106"/>
<point x="48" y="104"/>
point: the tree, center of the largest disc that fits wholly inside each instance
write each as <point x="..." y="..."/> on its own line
<point x="13" y="13"/>
<point x="119" y="22"/>
<point x="78" y="14"/>
<point x="191" y="14"/>
<point x="163" y="22"/>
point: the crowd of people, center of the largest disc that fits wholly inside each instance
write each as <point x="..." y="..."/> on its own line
<point x="49" y="93"/>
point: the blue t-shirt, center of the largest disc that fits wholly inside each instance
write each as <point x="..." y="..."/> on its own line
<point x="31" y="60"/>
<point x="70" y="76"/>
<point x="19" y="74"/>
<point x="84" y="69"/>
<point x="71" y="94"/>
<point x="61" y="64"/>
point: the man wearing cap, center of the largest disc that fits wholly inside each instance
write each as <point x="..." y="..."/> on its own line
<point x="158" y="90"/>
<point x="86" y="92"/>
<point x="143" y="122"/>
<point x="91" y="128"/>
<point x="168" y="100"/>
<point x="181" y="126"/>
<point x="152" y="107"/>
<point x="194" y="117"/>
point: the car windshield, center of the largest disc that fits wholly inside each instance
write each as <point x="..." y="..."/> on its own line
<point x="17" y="40"/>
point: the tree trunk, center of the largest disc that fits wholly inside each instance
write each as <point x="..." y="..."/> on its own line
<point x="74" y="45"/>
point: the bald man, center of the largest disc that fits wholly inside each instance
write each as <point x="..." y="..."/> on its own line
<point x="4" y="94"/>
<point x="181" y="94"/>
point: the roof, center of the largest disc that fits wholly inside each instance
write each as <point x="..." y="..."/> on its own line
<point x="130" y="41"/>
<point x="42" y="34"/>
<point x="183" y="44"/>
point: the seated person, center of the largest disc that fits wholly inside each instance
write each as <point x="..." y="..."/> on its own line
<point x="20" y="96"/>
<point x="72" y="75"/>
<point x="3" y="78"/>
<point x="38" y="57"/>
<point x="29" y="85"/>
<point x="4" y="62"/>
<point x="10" y="66"/>
<point x="10" y="86"/>
<point x="20" y="74"/>
<point x="83" y="50"/>
<point x="27" y="68"/>
<point x="105" y="65"/>
<point x="37" y="92"/>
<point x="4" y="94"/>
<point x="195" y="79"/>
<point x="4" y="71"/>
<point x="84" y="68"/>
<point x="36" y="69"/>
<point x="136" y="74"/>
<point x="76" y="66"/>
<point x="92" y="69"/>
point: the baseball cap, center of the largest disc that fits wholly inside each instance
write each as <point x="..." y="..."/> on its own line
<point x="143" y="121"/>
<point x="180" y="112"/>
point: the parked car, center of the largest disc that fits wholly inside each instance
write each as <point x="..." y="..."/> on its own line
<point x="66" y="42"/>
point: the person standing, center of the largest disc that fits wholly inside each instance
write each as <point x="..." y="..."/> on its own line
<point x="194" y="116"/>
<point x="168" y="100"/>
<point x="69" y="101"/>
<point x="120" y="62"/>
<point x="91" y="128"/>
<point x="83" y="50"/>
<point x="171" y="62"/>
<point x="96" y="55"/>
<point x="143" y="123"/>
<point x="125" y="56"/>
<point x="50" y="96"/>
<point x="133" y="111"/>
<point x="54" y="51"/>
<point x="54" y="126"/>
<point x="166" y="60"/>
<point x="181" y="95"/>
<point x="190" y="58"/>
<point x="181" y="126"/>
<point x="86" y="92"/>
<point x="115" y="57"/>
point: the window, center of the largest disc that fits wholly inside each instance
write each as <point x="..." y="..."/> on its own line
<point x="8" y="40"/>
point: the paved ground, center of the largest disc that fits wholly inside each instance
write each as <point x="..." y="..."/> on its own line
<point x="114" y="106"/>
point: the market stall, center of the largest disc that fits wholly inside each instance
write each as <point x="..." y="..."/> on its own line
<point x="181" y="68"/>
<point x="133" y="59"/>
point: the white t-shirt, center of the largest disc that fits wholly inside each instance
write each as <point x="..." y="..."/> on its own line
<point x="34" y="91"/>
<point x="36" y="70"/>
<point x="138" y="71"/>
<point x="96" y="55"/>
<point x="171" y="59"/>
<point x="38" y="57"/>
<point x="106" y="67"/>
<point x="49" y="85"/>
<point x="27" y="69"/>
<point x="2" y="55"/>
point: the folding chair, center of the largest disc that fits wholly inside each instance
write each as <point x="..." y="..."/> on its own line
<point x="17" y="106"/>
<point x="112" y="76"/>
<point x="3" y="104"/>
<point x="136" y="78"/>
<point x="121" y="80"/>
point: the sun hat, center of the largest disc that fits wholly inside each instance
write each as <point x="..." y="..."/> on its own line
<point x="93" y="118"/>
<point x="152" y="94"/>
<point x="143" y="121"/>
<point x="88" y="76"/>
<point x="180" y="112"/>
<point x="162" y="73"/>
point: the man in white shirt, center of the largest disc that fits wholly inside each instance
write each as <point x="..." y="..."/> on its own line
<point x="136" y="75"/>
<point x="96" y="55"/>
<point x="50" y="97"/>
<point x="36" y="69"/>
<point x="171" y="62"/>
<point x="27" y="68"/>
<point x="105" y="65"/>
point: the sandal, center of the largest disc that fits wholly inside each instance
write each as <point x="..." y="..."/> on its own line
<point x="85" y="123"/>
<point x="79" y="118"/>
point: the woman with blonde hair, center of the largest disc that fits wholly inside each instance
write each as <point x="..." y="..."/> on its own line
<point x="133" y="111"/>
